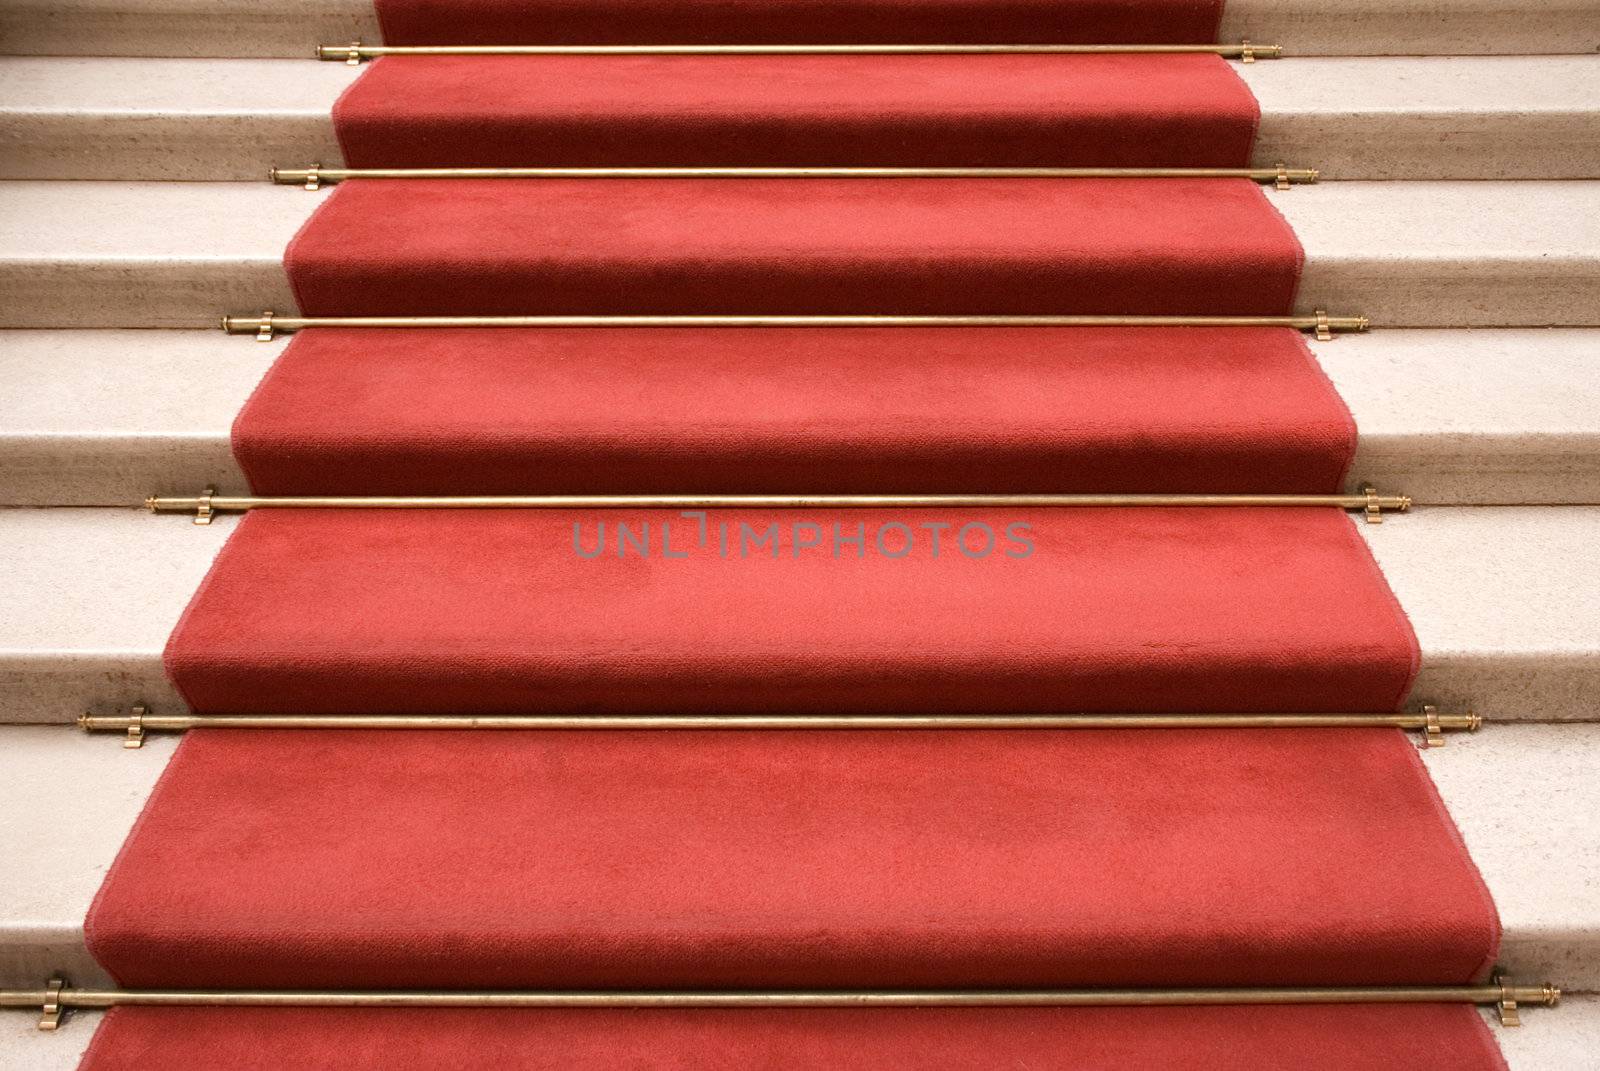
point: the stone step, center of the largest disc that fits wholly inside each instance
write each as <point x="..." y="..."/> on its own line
<point x="1427" y="254"/>
<point x="1497" y="117"/>
<point x="1505" y="602"/>
<point x="1501" y="416"/>
<point x="1522" y="795"/>
<point x="292" y="28"/>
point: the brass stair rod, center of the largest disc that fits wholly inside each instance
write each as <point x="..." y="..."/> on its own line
<point x="268" y="323"/>
<point x="142" y="721"/>
<point x="315" y="175"/>
<point x="355" y="52"/>
<point x="58" y="996"/>
<point x="206" y="504"/>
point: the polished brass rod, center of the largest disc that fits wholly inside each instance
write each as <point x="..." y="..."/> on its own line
<point x="184" y="722"/>
<point x="355" y="51"/>
<point x="267" y="323"/>
<point x="290" y="176"/>
<point x="206" y="504"/>
<point x="69" y="997"/>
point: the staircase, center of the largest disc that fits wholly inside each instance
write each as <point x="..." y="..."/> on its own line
<point x="1457" y="209"/>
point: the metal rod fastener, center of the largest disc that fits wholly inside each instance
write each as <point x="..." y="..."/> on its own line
<point x="1500" y="992"/>
<point x="312" y="177"/>
<point x="263" y="326"/>
<point x="140" y="721"/>
<point x="355" y="51"/>
<point x="208" y="503"/>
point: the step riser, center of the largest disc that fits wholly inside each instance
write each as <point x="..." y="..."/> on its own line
<point x="1406" y="255"/>
<point x="292" y="28"/>
<point x="1413" y="118"/>
<point x="282" y="28"/>
<point x="1415" y="27"/>
<point x="1504" y="602"/>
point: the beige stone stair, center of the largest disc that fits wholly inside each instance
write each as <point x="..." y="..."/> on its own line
<point x="1413" y="117"/>
<point x="1427" y="254"/>
<point x="292" y="28"/>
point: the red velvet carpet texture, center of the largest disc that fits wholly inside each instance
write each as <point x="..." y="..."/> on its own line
<point x="798" y="110"/>
<point x="798" y="21"/>
<point x="1361" y="1038"/>
<point x="509" y="611"/>
<point x="793" y="860"/>
<point x="1179" y="247"/>
<point x="774" y="410"/>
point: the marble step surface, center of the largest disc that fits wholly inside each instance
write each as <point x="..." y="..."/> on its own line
<point x="1456" y="117"/>
<point x="1424" y="254"/>
<point x="1449" y="417"/>
<point x="293" y="28"/>
<point x="1505" y="602"/>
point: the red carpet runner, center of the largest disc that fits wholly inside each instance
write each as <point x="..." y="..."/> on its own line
<point x="740" y="860"/>
<point x="803" y="246"/>
<point x="777" y="410"/>
<point x="789" y="859"/>
<point x="1368" y="1038"/>
<point x="1047" y="610"/>
<point x="824" y="111"/>
<point x="464" y="22"/>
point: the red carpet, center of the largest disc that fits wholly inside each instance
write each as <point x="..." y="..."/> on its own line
<point x="779" y="410"/>
<point x="463" y="22"/>
<point x="1020" y="246"/>
<point x="1002" y="858"/>
<point x="737" y="860"/>
<point x="920" y="111"/>
<point x="479" y="611"/>
<point x="1372" y="1038"/>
